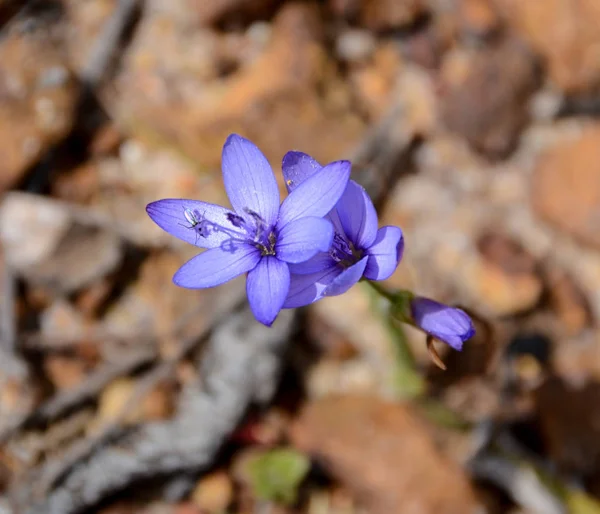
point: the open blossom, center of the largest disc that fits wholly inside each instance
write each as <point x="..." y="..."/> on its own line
<point x="259" y="236"/>
<point x="448" y="324"/>
<point x="358" y="248"/>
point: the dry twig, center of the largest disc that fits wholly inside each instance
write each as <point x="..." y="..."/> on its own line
<point x="240" y="367"/>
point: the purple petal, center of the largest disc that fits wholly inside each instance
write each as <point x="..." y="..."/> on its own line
<point x="357" y="215"/>
<point x="170" y="215"/>
<point x="319" y="262"/>
<point x="267" y="287"/>
<point x="216" y="266"/>
<point x="346" y="279"/>
<point x="300" y="240"/>
<point x="385" y="253"/>
<point x="333" y="281"/>
<point x="306" y="289"/>
<point x="450" y="325"/>
<point x="337" y="224"/>
<point x="317" y="195"/>
<point x="297" y="167"/>
<point x="249" y="179"/>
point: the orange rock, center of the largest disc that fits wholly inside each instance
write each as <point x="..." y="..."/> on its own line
<point x="390" y="14"/>
<point x="65" y="372"/>
<point x="568" y="301"/>
<point x="62" y="319"/>
<point x="566" y="186"/>
<point x="155" y="405"/>
<point x="204" y="13"/>
<point x="383" y="453"/>
<point x="503" y="277"/>
<point x="501" y="293"/>
<point x="158" y="404"/>
<point x="279" y="98"/>
<point x="37" y="100"/>
<point x="114" y="398"/>
<point x="213" y="492"/>
<point x="93" y="298"/>
<point x="186" y="508"/>
<point x="106" y="141"/>
<point x="77" y="186"/>
<point x="374" y="82"/>
<point x="565" y="33"/>
<point x="478" y="17"/>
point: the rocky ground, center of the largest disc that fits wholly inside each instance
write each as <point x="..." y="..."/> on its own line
<point x="473" y="123"/>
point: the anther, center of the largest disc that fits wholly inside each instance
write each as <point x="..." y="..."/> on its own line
<point x="235" y="219"/>
<point x="259" y="223"/>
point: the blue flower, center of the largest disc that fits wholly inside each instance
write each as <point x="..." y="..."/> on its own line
<point x="448" y="324"/>
<point x="358" y="248"/>
<point x="259" y="236"/>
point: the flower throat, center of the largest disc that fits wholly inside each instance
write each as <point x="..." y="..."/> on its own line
<point x="344" y="252"/>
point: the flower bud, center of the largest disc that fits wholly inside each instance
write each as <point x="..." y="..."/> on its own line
<point x="448" y="324"/>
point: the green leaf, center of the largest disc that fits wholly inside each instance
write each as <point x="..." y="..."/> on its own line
<point x="277" y="474"/>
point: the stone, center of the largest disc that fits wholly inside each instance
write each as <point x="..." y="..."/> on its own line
<point x="503" y="276"/>
<point x="383" y="453"/>
<point x="484" y="94"/>
<point x="61" y="320"/>
<point x="38" y="95"/>
<point x="355" y="45"/>
<point x="568" y="301"/>
<point x="374" y="81"/>
<point x="84" y="255"/>
<point x="85" y="20"/>
<point x="569" y="426"/>
<point x="383" y="15"/>
<point x="154" y="406"/>
<point x="65" y="372"/>
<point x="280" y="89"/>
<point x="213" y="492"/>
<point x="45" y="243"/>
<point x="215" y="11"/>
<point x="31" y="228"/>
<point x="565" y="189"/>
<point x="565" y="33"/>
<point x="478" y="17"/>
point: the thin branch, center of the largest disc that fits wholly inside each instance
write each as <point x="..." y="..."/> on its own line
<point x="99" y="59"/>
<point x="241" y="366"/>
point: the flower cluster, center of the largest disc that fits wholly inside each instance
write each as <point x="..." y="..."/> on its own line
<point x="320" y="241"/>
<point x="358" y="249"/>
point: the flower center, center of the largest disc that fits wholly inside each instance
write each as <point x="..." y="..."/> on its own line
<point x="344" y="252"/>
<point x="269" y="247"/>
<point x="251" y="230"/>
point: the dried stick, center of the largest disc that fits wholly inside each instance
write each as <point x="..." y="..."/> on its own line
<point x="102" y="52"/>
<point x="143" y="387"/>
<point x="386" y="143"/>
<point x="58" y="405"/>
<point x="240" y="367"/>
<point x="93" y="384"/>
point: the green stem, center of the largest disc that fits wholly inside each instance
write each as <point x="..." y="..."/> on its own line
<point x="382" y="291"/>
<point x="409" y="383"/>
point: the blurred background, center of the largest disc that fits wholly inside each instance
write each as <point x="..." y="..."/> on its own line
<point x="473" y="124"/>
